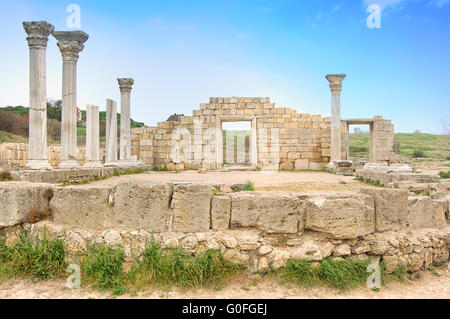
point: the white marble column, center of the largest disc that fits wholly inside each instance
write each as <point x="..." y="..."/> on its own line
<point x="111" y="133"/>
<point x="125" y="86"/>
<point x="38" y="33"/>
<point x="70" y="44"/>
<point x="92" y="137"/>
<point x="336" y="87"/>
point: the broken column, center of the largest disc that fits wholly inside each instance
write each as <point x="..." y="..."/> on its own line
<point x="92" y="137"/>
<point x="38" y="32"/>
<point x="336" y="87"/>
<point x="70" y="44"/>
<point x="111" y="133"/>
<point x="125" y="85"/>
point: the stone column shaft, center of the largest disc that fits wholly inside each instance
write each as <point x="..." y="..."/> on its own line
<point x="111" y="132"/>
<point x="125" y="125"/>
<point x="38" y="33"/>
<point x="92" y="137"/>
<point x="336" y="87"/>
<point x="70" y="45"/>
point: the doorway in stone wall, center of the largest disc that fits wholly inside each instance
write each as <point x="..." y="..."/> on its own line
<point x="360" y="141"/>
<point x="236" y="142"/>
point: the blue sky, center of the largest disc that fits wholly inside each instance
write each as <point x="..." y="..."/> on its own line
<point x="182" y="52"/>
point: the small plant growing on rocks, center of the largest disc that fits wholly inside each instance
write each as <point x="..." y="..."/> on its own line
<point x="5" y="176"/>
<point x="249" y="187"/>
<point x="418" y="154"/>
<point x="444" y="175"/>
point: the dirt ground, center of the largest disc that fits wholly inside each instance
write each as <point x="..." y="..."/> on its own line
<point x="428" y="286"/>
<point x="304" y="182"/>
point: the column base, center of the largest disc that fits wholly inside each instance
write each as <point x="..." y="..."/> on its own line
<point x="38" y="165"/>
<point x="111" y="164"/>
<point x="68" y="164"/>
<point x="93" y="164"/>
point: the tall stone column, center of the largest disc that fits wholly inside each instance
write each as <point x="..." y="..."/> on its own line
<point x="336" y="87"/>
<point x="70" y="44"/>
<point x="38" y="33"/>
<point x="125" y="86"/>
<point x="111" y="133"/>
<point x="92" y="137"/>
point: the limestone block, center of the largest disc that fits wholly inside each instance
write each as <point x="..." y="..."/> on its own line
<point x="376" y="167"/>
<point x="191" y="204"/>
<point x="301" y="164"/>
<point x="140" y="205"/>
<point x="391" y="207"/>
<point x="424" y="213"/>
<point x="400" y="168"/>
<point x="341" y="216"/>
<point x="81" y="206"/>
<point x="269" y="213"/>
<point x="22" y="202"/>
<point x="221" y="212"/>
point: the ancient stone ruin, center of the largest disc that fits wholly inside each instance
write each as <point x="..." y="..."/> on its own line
<point x="403" y="223"/>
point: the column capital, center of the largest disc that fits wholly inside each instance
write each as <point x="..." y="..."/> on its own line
<point x="336" y="82"/>
<point x="70" y="43"/>
<point x="125" y="84"/>
<point x="38" y="32"/>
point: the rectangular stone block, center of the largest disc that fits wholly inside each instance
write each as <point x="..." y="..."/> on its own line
<point x="191" y="206"/>
<point x="140" y="205"/>
<point x="391" y="207"/>
<point x="81" y="206"/>
<point x="23" y="202"/>
<point x="341" y="216"/>
<point x="269" y="213"/>
<point x="221" y="212"/>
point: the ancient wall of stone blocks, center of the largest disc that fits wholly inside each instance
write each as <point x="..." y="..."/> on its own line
<point x="284" y="137"/>
<point x="15" y="155"/>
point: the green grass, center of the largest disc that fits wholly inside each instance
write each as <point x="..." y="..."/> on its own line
<point x="436" y="146"/>
<point x="103" y="267"/>
<point x="140" y="170"/>
<point x="35" y="259"/>
<point x="337" y="274"/>
<point x="173" y="267"/>
<point x="249" y="187"/>
<point x="444" y="175"/>
<point x="10" y="138"/>
<point x="370" y="182"/>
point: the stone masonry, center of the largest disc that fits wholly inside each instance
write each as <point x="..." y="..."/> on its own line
<point x="284" y="138"/>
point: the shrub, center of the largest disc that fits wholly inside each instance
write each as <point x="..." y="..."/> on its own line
<point x="5" y="176"/>
<point x="418" y="154"/>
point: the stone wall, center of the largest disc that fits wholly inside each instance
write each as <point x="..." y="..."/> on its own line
<point x="14" y="156"/>
<point x="254" y="228"/>
<point x="284" y="138"/>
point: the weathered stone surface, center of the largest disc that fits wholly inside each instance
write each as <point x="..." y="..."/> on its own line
<point x="269" y="213"/>
<point x="301" y="164"/>
<point x="376" y="167"/>
<point x="307" y="251"/>
<point x="341" y="216"/>
<point x="191" y="205"/>
<point x="229" y="241"/>
<point x="400" y="168"/>
<point x="220" y="212"/>
<point x="81" y="206"/>
<point x="279" y="258"/>
<point x="342" y="251"/>
<point x="391" y="207"/>
<point x="23" y="201"/>
<point x="426" y="213"/>
<point x="140" y="205"/>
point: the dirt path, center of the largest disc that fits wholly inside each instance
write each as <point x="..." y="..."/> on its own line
<point x="428" y="286"/>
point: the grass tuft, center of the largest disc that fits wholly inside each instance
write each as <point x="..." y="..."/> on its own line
<point x="36" y="259"/>
<point x="249" y="187"/>
<point x="444" y="175"/>
<point x="175" y="267"/>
